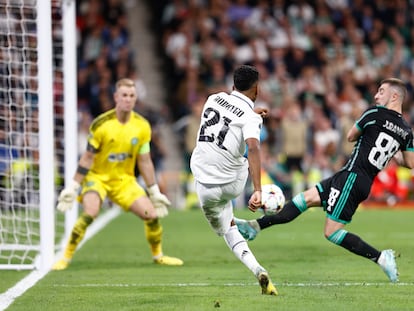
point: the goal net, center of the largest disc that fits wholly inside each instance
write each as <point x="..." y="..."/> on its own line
<point x="34" y="63"/>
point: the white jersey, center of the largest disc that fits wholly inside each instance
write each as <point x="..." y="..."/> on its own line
<point x="227" y="121"/>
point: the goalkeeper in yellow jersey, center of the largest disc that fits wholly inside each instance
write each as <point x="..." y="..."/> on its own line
<point x="118" y="140"/>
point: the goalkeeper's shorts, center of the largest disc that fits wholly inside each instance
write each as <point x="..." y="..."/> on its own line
<point x="122" y="191"/>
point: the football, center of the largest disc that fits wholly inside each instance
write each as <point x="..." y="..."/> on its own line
<point x="273" y="199"/>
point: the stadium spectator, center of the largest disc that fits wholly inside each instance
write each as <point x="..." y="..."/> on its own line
<point x="309" y="48"/>
<point x="326" y="141"/>
<point x="293" y="131"/>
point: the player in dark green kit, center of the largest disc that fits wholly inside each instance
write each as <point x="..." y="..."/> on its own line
<point x="379" y="134"/>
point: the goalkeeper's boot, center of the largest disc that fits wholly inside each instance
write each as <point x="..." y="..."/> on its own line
<point x="265" y="283"/>
<point x="61" y="264"/>
<point x="168" y="261"/>
<point x="388" y="264"/>
<point x="245" y="228"/>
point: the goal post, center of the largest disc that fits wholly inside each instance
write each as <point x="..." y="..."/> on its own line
<point x="38" y="119"/>
<point x="70" y="98"/>
<point x="46" y="137"/>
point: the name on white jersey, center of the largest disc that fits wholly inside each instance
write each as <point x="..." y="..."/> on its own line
<point x="225" y="104"/>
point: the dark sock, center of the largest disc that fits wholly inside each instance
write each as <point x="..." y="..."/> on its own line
<point x="356" y="245"/>
<point x="287" y="214"/>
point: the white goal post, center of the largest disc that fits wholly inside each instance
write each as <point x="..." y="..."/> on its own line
<point x="38" y="120"/>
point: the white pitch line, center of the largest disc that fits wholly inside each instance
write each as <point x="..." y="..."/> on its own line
<point x="312" y="284"/>
<point x="7" y="298"/>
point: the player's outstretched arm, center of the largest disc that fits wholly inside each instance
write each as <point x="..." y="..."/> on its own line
<point x="253" y="157"/>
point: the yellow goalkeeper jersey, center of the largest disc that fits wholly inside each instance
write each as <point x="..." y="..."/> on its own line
<point x="117" y="145"/>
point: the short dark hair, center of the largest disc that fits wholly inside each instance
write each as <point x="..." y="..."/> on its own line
<point x="245" y="77"/>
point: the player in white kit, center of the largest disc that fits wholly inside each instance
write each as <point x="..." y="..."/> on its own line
<point x="229" y="123"/>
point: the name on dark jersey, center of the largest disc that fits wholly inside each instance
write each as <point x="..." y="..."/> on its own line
<point x="225" y="104"/>
<point x="395" y="128"/>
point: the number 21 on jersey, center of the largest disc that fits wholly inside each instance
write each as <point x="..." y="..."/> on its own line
<point x="212" y="117"/>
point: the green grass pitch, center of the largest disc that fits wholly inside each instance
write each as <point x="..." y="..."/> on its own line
<point x="114" y="271"/>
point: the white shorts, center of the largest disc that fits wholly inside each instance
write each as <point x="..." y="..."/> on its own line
<point x="216" y="202"/>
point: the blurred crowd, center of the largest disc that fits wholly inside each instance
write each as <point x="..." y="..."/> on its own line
<point x="104" y="55"/>
<point x="18" y="105"/>
<point x="320" y="63"/>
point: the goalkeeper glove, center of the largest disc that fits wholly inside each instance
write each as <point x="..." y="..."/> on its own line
<point x="67" y="196"/>
<point x="159" y="200"/>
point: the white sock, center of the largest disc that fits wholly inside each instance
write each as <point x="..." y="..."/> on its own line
<point x="241" y="250"/>
<point x="381" y="260"/>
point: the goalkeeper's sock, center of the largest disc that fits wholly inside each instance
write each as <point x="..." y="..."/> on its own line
<point x="78" y="232"/>
<point x="241" y="250"/>
<point x="153" y="233"/>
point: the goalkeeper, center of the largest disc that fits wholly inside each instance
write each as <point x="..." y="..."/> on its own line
<point x="118" y="140"/>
